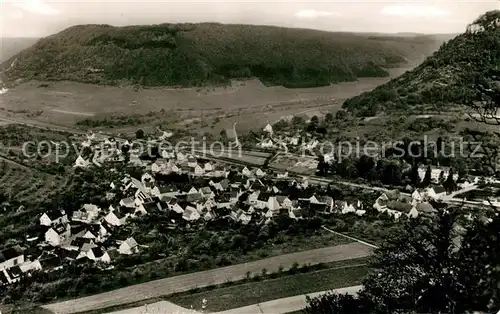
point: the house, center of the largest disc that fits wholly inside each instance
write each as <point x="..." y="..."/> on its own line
<point x="246" y="172"/>
<point x="437" y="192"/>
<point x="252" y="198"/>
<point x="192" y="190"/>
<point x="436" y="173"/>
<point x="267" y="143"/>
<point x="192" y="162"/>
<point x="191" y="214"/>
<point x="208" y="167"/>
<point x="262" y="201"/>
<point x="115" y="218"/>
<point x="198" y="171"/>
<point x="259" y="173"/>
<point x="53" y="217"/>
<point x="56" y="235"/>
<point x="165" y="135"/>
<point x="273" y="204"/>
<point x="284" y="202"/>
<point x="98" y="254"/>
<point x="282" y="175"/>
<point x="128" y="202"/>
<point x="128" y="247"/>
<point x="81" y="163"/>
<point x="11" y="257"/>
<point x="175" y="169"/>
<point x="268" y="129"/>
<point x="207" y="193"/>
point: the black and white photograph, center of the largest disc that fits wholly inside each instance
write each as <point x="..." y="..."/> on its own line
<point x="249" y="157"/>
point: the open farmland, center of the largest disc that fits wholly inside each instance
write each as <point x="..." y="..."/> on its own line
<point x="249" y="103"/>
<point x="298" y="164"/>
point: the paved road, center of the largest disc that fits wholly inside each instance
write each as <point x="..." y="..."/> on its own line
<point x="187" y="282"/>
<point x="279" y="306"/>
<point x="285" y="305"/>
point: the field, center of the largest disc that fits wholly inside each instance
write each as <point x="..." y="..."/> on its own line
<point x="303" y="165"/>
<point x="188" y="282"/>
<point x="249" y="103"/>
<point x="262" y="291"/>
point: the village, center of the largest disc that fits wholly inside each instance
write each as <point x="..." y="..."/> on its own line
<point x="242" y="194"/>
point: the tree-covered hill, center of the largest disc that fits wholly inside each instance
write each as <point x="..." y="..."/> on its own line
<point x="211" y="53"/>
<point x="443" y="79"/>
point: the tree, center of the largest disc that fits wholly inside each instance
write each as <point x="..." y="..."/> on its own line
<point x="329" y="117"/>
<point x="431" y="265"/>
<point x="341" y="114"/>
<point x="428" y="177"/>
<point x="314" y="120"/>
<point x="139" y="134"/>
<point x="449" y="184"/>
<point x="414" y="175"/>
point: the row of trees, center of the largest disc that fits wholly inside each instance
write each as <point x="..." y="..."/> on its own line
<point x="441" y="264"/>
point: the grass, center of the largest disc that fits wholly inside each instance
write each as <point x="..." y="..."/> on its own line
<point x="262" y="291"/>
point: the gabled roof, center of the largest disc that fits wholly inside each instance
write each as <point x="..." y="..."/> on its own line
<point x="11" y="253"/>
<point x="55" y="214"/>
<point x="439" y="189"/>
<point x="98" y="251"/>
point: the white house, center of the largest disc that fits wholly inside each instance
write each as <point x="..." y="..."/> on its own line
<point x="53" y="218"/>
<point x="282" y="175"/>
<point x="198" y="171"/>
<point x="11" y="257"/>
<point x="269" y="129"/>
<point x="81" y="163"/>
<point x="246" y="172"/>
<point x="208" y="167"/>
<point x="191" y="214"/>
<point x="436" y="193"/>
<point x="273" y="204"/>
<point x="192" y="162"/>
<point x="128" y="247"/>
<point x="177" y="208"/>
<point x="267" y="143"/>
<point x="99" y="255"/>
<point x="260" y="173"/>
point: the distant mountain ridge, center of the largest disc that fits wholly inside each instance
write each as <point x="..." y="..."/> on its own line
<point x="443" y="79"/>
<point x="11" y="46"/>
<point x="212" y="53"/>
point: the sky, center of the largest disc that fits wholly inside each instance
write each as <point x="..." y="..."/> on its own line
<point x="39" y="18"/>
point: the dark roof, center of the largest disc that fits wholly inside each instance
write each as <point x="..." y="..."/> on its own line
<point x="193" y="197"/>
<point x="263" y="196"/>
<point x="11" y="253"/>
<point x="439" y="189"/>
<point x="168" y="188"/>
<point x="80" y="241"/>
<point x="98" y="251"/>
<point x="3" y="279"/>
<point x="14" y="272"/>
<point x="55" y="214"/>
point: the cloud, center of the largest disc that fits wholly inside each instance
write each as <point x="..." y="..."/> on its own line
<point x="312" y="14"/>
<point x="36" y="6"/>
<point x="410" y="10"/>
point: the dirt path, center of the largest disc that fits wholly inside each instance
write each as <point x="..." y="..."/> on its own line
<point x="187" y="282"/>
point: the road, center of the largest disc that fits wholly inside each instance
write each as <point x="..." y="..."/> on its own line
<point x="42" y="125"/>
<point x="285" y="305"/>
<point x="279" y="306"/>
<point x="187" y="282"/>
